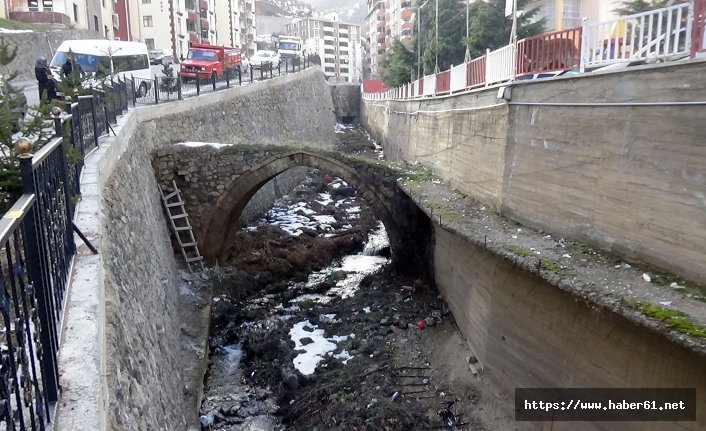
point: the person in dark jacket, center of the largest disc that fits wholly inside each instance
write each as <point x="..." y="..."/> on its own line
<point x="51" y="87"/>
<point x="41" y="70"/>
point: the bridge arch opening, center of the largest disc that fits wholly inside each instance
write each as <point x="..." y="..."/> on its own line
<point x="220" y="230"/>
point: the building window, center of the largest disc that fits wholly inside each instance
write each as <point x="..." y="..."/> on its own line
<point x="95" y="22"/>
<point x="147" y="21"/>
<point x="149" y="43"/>
<point x="103" y="3"/>
<point x="75" y="12"/>
<point x="106" y="31"/>
<point x="146" y="1"/>
<point x="316" y="24"/>
<point x="316" y="33"/>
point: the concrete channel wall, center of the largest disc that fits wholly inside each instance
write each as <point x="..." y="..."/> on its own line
<point x="594" y="158"/>
<point x="136" y="371"/>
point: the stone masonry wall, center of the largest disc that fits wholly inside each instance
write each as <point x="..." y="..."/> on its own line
<point x="628" y="179"/>
<point x="36" y="44"/>
<point x="145" y="386"/>
<point x="141" y="299"/>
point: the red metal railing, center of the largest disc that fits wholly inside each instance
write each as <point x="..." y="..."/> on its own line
<point x="554" y="51"/>
<point x="475" y="72"/>
<point x="443" y="82"/>
<point x="420" y="91"/>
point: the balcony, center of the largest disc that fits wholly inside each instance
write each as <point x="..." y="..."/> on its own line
<point x="204" y="24"/>
<point x="406" y="14"/>
<point x="55" y="19"/>
<point x="193" y="37"/>
<point x="406" y="25"/>
<point x="203" y="4"/>
<point x="191" y="16"/>
<point x="116" y="20"/>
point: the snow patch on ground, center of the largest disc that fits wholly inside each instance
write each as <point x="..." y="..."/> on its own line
<point x="12" y="30"/>
<point x="314" y="352"/>
<point x="203" y="144"/>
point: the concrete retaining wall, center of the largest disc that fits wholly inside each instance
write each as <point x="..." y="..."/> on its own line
<point x="346" y="102"/>
<point x="462" y="138"/>
<point x="628" y="179"/>
<point x="139" y="331"/>
<point x="36" y="44"/>
<point x="528" y="333"/>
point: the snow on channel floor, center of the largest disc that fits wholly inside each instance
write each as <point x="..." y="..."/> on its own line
<point x="203" y="144"/>
<point x="314" y="352"/>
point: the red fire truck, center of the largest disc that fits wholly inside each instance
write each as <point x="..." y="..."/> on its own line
<point x="209" y="61"/>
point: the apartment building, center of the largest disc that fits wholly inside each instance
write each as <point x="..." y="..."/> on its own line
<point x="386" y="20"/>
<point x="560" y="14"/>
<point x="90" y="14"/>
<point x="173" y="24"/>
<point x="235" y="24"/>
<point x="337" y="43"/>
<point x="376" y="41"/>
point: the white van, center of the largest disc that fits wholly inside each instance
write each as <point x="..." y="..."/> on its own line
<point x="106" y="57"/>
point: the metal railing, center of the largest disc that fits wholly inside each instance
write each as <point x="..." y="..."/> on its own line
<point x="553" y="51"/>
<point x="659" y="33"/>
<point x="500" y="64"/>
<point x="673" y="32"/>
<point x="162" y="89"/>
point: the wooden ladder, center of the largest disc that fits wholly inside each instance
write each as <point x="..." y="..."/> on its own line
<point x="181" y="227"/>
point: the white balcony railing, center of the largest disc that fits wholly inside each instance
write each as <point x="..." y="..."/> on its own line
<point x="429" y="85"/>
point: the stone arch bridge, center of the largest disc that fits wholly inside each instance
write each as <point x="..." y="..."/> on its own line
<point x="217" y="182"/>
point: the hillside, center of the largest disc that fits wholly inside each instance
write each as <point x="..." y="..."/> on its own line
<point x="349" y="10"/>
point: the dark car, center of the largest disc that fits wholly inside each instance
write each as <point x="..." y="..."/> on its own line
<point x="18" y="105"/>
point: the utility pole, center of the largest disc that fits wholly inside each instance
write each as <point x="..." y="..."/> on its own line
<point x="467" y="57"/>
<point x="419" y="39"/>
<point x="513" y="33"/>
<point x="436" y="48"/>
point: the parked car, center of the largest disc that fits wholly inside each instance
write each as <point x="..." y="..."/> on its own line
<point x="18" y="105"/>
<point x="161" y="56"/>
<point x="264" y="57"/>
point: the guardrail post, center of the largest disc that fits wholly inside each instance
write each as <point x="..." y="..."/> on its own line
<point x="279" y="68"/>
<point x="198" y="84"/>
<point x="272" y="69"/>
<point x="214" y="76"/>
<point x="228" y="77"/>
<point x="262" y="66"/>
<point x="251" y="73"/>
<point x="95" y="123"/>
<point x="240" y="75"/>
<point x="179" y="87"/>
<point x="156" y="90"/>
<point x="58" y="129"/>
<point x="41" y="286"/>
<point x="134" y="96"/>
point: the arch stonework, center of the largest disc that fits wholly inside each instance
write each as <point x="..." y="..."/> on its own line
<point x="403" y="220"/>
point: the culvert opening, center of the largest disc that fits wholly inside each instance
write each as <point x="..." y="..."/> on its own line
<point x="348" y="119"/>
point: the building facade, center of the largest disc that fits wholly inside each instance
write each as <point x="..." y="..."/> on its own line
<point x="337" y="43"/>
<point x="173" y="24"/>
<point x="386" y="21"/>
<point x="560" y="14"/>
<point x="90" y="14"/>
<point x="235" y="24"/>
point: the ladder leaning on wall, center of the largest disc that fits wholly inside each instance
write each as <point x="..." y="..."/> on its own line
<point x="179" y="221"/>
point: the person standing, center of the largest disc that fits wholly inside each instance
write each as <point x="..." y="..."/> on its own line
<point x="41" y="71"/>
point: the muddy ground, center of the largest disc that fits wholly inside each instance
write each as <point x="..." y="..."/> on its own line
<point x="399" y="364"/>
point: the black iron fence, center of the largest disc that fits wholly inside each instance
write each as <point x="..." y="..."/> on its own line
<point x="162" y="89"/>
